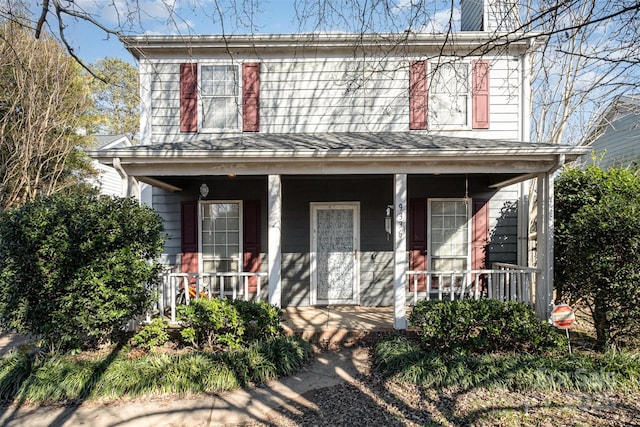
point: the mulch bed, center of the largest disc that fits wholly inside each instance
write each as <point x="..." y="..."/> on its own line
<point x="374" y="400"/>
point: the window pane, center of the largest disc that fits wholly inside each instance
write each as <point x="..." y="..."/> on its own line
<point x="221" y="237"/>
<point x="220" y="106"/>
<point x="449" y="234"/>
<point x="449" y="94"/>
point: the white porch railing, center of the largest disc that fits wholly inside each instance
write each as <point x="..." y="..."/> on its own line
<point x="504" y="282"/>
<point x="180" y="288"/>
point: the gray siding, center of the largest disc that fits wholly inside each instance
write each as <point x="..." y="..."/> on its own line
<point x="373" y="193"/>
<point x="334" y="95"/>
<point x="619" y="145"/>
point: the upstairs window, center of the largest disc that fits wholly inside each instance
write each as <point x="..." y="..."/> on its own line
<point x="457" y="94"/>
<point x="450" y="96"/>
<point x="210" y="97"/>
<point x="219" y="96"/>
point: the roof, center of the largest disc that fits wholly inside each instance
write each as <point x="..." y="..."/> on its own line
<point x="353" y="143"/>
<point x="339" y="153"/>
<point x="381" y="43"/>
<point x="111" y="141"/>
<point x="621" y="106"/>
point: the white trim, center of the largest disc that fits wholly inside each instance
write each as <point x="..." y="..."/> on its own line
<point x="274" y="255"/>
<point x="544" y="282"/>
<point x="238" y="82"/>
<point x="314" y="207"/>
<point x="201" y="204"/>
<point x="400" y="263"/>
<point x="433" y="65"/>
<point x="146" y="116"/>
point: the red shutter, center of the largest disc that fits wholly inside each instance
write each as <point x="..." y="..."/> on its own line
<point x="188" y="97"/>
<point x="418" y="95"/>
<point x="189" y="237"/>
<point x="418" y="241"/>
<point x="251" y="240"/>
<point x="480" y="95"/>
<point x="480" y="234"/>
<point x="480" y="237"/>
<point x="251" y="97"/>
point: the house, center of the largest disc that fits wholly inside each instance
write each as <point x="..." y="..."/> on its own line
<point x="615" y="138"/>
<point x="363" y="169"/>
<point x="110" y="180"/>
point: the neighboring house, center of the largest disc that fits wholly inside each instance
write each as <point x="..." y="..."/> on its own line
<point x="341" y="168"/>
<point x="615" y="139"/>
<point x="109" y="181"/>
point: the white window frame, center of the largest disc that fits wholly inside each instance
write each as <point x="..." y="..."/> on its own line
<point x="201" y="205"/>
<point x="431" y="120"/>
<point x="201" y="98"/>
<point x="314" y="207"/>
<point x="430" y="256"/>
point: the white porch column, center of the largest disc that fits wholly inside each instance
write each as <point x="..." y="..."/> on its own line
<point x="544" y="282"/>
<point x="275" y="238"/>
<point x="400" y="251"/>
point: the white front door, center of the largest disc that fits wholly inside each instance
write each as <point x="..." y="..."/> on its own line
<point x="335" y="243"/>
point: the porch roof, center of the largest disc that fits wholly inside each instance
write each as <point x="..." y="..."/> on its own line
<point x="338" y="153"/>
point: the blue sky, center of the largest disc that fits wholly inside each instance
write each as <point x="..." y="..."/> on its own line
<point x="202" y="17"/>
<point x="188" y="16"/>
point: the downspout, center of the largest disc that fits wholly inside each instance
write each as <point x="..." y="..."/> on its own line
<point x="525" y="129"/>
<point x="558" y="164"/>
<point x="129" y="183"/>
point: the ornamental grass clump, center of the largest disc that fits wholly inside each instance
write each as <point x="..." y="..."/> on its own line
<point x="408" y="362"/>
<point x="112" y="375"/>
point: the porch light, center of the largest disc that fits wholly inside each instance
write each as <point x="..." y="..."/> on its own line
<point x="388" y="225"/>
<point x="204" y="190"/>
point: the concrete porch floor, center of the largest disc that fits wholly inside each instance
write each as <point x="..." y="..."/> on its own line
<point x="331" y="326"/>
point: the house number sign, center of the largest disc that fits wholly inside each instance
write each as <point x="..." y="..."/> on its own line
<point x="400" y="219"/>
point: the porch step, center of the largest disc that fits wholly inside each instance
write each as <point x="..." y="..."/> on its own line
<point x="338" y="326"/>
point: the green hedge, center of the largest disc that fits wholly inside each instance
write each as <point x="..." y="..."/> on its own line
<point x="75" y="268"/>
<point x="470" y="326"/>
<point x="227" y="324"/>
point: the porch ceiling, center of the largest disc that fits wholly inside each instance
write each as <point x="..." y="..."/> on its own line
<point x="339" y="153"/>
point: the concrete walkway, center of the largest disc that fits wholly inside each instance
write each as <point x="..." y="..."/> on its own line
<point x="338" y="326"/>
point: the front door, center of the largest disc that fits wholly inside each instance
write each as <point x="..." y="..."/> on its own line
<point x="334" y="253"/>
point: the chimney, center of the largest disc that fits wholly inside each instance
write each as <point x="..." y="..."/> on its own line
<point x="489" y="15"/>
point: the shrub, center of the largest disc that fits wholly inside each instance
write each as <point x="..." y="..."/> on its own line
<point x="213" y="323"/>
<point x="220" y="323"/>
<point x="597" y="250"/>
<point x="261" y="319"/>
<point x="151" y="335"/>
<point x="75" y="268"/>
<point x="479" y="326"/>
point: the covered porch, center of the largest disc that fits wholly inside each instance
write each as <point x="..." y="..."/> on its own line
<point x="382" y="172"/>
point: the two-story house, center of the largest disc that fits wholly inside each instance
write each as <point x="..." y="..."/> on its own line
<point x="615" y="138"/>
<point x="364" y="169"/>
